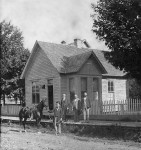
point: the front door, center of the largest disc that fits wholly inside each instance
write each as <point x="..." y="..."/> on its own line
<point x="50" y="97"/>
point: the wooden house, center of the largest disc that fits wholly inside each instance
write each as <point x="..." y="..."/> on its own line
<point x="54" y="69"/>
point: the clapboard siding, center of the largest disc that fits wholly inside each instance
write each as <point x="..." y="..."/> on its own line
<point x="41" y="69"/>
<point x="64" y="85"/>
<point x="119" y="89"/>
<point x="56" y="89"/>
<point x="28" y="92"/>
<point x="91" y="67"/>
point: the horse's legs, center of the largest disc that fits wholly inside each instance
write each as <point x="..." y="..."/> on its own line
<point x="24" y="122"/>
<point x="38" y="120"/>
<point x="20" y="118"/>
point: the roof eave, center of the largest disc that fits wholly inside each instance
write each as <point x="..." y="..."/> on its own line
<point x="28" y="62"/>
<point x="103" y="68"/>
<point x="114" y="76"/>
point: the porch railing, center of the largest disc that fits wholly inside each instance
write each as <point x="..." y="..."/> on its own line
<point x="121" y="107"/>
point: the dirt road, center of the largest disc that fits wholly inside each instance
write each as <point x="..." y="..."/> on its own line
<point x="12" y="139"/>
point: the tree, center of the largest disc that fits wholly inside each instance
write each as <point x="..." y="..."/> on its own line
<point x="13" y="60"/>
<point x="134" y="89"/>
<point x="118" y="23"/>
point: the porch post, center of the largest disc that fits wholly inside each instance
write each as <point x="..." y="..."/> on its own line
<point x="78" y="86"/>
<point x="90" y="94"/>
<point x="100" y="94"/>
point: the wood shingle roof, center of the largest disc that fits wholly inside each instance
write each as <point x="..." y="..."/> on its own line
<point x="69" y="59"/>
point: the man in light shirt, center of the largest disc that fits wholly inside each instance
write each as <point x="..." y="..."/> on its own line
<point x="86" y="105"/>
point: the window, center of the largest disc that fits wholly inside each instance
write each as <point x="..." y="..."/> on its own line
<point x="35" y="93"/>
<point x="110" y="86"/>
<point x="111" y="90"/>
<point x="83" y="86"/>
<point x="71" y="89"/>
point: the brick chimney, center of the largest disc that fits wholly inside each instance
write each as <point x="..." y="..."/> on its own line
<point x="75" y="42"/>
<point x="63" y="42"/>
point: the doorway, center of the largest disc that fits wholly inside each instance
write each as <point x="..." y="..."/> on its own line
<point x="50" y="97"/>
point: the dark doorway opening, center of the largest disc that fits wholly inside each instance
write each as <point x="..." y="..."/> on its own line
<point x="50" y="97"/>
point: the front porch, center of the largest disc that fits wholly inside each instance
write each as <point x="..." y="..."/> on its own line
<point x="79" y="84"/>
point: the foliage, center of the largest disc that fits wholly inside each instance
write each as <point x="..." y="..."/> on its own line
<point x="134" y="89"/>
<point x="118" y="23"/>
<point x="13" y="59"/>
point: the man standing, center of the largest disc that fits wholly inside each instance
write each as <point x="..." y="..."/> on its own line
<point x="57" y="118"/>
<point x="64" y="107"/>
<point x="76" y="104"/>
<point x="86" y="105"/>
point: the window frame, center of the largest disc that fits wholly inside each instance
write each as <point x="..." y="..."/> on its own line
<point x="111" y="88"/>
<point x="35" y="92"/>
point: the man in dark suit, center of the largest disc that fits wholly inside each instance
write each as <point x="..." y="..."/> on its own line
<point x="86" y="105"/>
<point x="76" y="108"/>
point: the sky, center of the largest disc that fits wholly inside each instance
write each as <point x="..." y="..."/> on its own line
<point x="51" y="20"/>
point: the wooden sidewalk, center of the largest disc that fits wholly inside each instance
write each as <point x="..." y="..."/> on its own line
<point x="81" y="122"/>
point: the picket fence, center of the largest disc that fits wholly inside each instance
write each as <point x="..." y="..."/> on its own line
<point x="122" y="107"/>
<point x="119" y="107"/>
<point x="10" y="110"/>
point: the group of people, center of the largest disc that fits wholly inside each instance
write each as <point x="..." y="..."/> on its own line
<point x="78" y="106"/>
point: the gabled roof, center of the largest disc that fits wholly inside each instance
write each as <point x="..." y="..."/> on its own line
<point x="56" y="52"/>
<point x="74" y="63"/>
<point x="65" y="56"/>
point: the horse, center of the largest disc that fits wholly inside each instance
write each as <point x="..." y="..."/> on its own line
<point x="32" y="113"/>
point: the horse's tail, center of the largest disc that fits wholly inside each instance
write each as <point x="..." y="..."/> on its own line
<point x="20" y="112"/>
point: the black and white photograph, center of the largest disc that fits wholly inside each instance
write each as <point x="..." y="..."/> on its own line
<point x="70" y="74"/>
